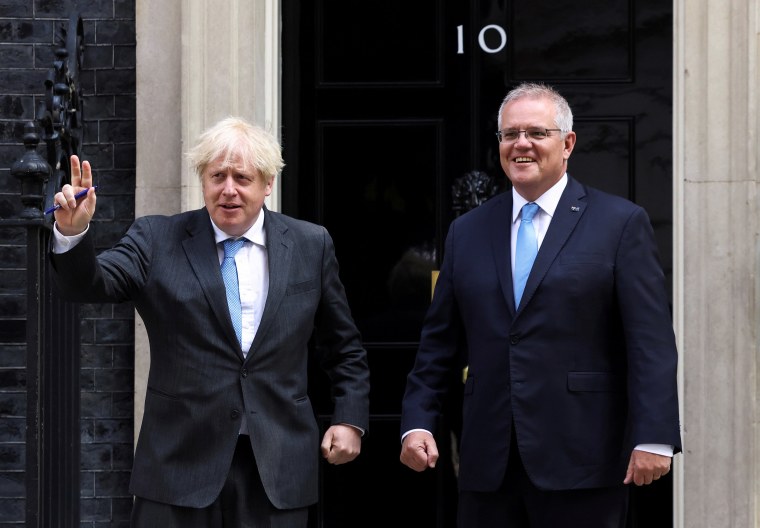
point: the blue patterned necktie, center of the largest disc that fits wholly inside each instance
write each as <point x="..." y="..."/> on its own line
<point x="229" y="274"/>
<point x="525" y="249"/>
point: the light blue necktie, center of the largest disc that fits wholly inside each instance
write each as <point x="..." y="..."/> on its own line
<point x="230" y="276"/>
<point x="525" y="249"/>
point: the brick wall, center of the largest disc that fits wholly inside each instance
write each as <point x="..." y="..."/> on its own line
<point x="27" y="43"/>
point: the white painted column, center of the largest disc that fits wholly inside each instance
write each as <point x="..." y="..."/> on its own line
<point x="198" y="61"/>
<point x="230" y="66"/>
<point x="716" y="132"/>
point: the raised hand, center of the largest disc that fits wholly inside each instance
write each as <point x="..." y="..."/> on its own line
<point x="73" y="216"/>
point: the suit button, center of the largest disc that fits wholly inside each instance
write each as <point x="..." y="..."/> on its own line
<point x="244" y="373"/>
<point x="514" y="339"/>
<point x="235" y="414"/>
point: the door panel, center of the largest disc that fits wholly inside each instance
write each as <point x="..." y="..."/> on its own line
<point x="398" y="44"/>
<point x="388" y="223"/>
<point x="572" y="41"/>
<point x="388" y="110"/>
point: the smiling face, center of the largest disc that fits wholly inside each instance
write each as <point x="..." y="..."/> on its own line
<point x="533" y="166"/>
<point x="233" y="193"/>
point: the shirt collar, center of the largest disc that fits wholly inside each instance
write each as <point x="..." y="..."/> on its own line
<point x="547" y="202"/>
<point x="255" y="233"/>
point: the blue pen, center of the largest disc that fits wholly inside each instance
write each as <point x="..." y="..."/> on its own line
<point x="77" y="196"/>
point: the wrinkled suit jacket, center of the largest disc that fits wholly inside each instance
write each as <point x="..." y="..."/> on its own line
<point x="199" y="382"/>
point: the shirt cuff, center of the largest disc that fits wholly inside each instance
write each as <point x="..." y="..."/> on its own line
<point x="412" y="430"/>
<point x="657" y="449"/>
<point x="63" y="243"/>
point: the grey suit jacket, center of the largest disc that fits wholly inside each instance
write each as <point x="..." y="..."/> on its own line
<point x="199" y="383"/>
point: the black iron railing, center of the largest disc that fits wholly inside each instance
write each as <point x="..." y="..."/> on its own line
<point x="52" y="325"/>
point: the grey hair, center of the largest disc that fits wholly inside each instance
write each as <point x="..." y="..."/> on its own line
<point x="232" y="137"/>
<point x="563" y="116"/>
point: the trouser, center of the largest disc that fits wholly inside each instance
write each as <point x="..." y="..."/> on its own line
<point x="243" y="503"/>
<point x="520" y="504"/>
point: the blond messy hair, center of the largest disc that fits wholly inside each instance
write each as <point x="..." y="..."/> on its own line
<point x="235" y="138"/>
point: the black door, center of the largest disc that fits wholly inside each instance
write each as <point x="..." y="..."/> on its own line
<point x="389" y="114"/>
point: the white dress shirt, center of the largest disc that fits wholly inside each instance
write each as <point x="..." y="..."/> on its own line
<point x="547" y="204"/>
<point x="253" y="276"/>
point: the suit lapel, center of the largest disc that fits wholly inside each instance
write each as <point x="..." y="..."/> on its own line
<point x="279" y="255"/>
<point x="200" y="249"/>
<point x="500" y="216"/>
<point x="569" y="211"/>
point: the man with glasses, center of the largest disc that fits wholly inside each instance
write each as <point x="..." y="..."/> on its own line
<point x="555" y="294"/>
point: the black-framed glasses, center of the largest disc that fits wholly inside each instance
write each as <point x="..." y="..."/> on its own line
<point x="509" y="135"/>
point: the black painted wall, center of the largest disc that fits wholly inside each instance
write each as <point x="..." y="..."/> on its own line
<point x="27" y="42"/>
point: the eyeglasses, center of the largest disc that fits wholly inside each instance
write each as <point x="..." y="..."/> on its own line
<point x="532" y="134"/>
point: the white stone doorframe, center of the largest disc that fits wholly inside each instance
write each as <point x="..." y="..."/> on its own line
<point x="199" y="60"/>
<point x="716" y="130"/>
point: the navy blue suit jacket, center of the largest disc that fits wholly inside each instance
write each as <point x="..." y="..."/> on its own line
<point x="585" y="367"/>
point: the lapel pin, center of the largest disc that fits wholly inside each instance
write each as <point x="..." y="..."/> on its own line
<point x="575" y="208"/>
